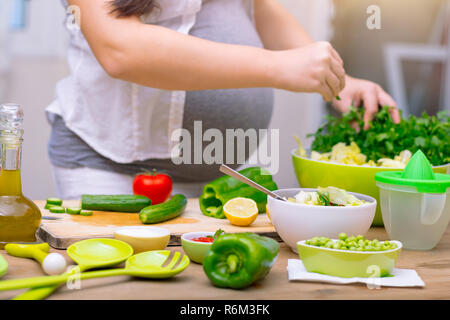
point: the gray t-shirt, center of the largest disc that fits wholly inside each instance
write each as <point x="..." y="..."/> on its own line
<point x="225" y="21"/>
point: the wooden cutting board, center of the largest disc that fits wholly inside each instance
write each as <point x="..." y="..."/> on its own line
<point x="68" y="229"/>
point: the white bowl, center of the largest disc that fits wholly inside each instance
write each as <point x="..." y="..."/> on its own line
<point x="143" y="238"/>
<point x="295" y="222"/>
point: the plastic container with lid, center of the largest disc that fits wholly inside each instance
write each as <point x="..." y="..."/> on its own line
<point x="415" y="203"/>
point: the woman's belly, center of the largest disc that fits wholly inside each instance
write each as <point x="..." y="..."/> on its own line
<point x="226" y="111"/>
<point x="225" y="21"/>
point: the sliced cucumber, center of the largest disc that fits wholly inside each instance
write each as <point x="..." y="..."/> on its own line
<point x="86" y="213"/>
<point x="57" y="209"/>
<point x="54" y="201"/>
<point x="48" y="206"/>
<point x="73" y="210"/>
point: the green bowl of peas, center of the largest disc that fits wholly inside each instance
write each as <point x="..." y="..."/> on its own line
<point x="349" y="257"/>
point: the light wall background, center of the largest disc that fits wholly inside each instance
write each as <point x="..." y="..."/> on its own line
<point x="33" y="60"/>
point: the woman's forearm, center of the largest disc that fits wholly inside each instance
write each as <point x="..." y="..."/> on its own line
<point x="277" y="27"/>
<point x="158" y="57"/>
<point x="162" y="58"/>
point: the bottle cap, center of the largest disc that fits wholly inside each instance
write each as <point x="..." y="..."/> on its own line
<point x="11" y="116"/>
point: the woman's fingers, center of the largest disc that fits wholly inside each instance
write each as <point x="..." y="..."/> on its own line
<point x="334" y="83"/>
<point x="337" y="66"/>
<point x="368" y="94"/>
<point x="336" y="55"/>
<point x="344" y="104"/>
<point x="339" y="72"/>
<point x="356" y="101"/>
<point x="385" y="99"/>
<point x="326" y="91"/>
<point x="370" y="98"/>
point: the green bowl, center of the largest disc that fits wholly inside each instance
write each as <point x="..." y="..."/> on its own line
<point x="3" y="266"/>
<point x="195" y="250"/>
<point x="359" y="179"/>
<point x="346" y="263"/>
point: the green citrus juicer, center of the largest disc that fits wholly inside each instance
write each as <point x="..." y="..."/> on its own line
<point x="415" y="203"/>
<point x="87" y="254"/>
<point x="157" y="264"/>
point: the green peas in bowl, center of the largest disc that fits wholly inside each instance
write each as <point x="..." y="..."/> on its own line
<point x="349" y="257"/>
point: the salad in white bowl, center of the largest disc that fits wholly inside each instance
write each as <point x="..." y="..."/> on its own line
<point x="330" y="196"/>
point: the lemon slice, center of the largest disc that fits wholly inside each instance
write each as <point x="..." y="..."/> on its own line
<point x="241" y="211"/>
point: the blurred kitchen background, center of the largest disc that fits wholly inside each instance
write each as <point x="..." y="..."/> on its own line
<point x="409" y="56"/>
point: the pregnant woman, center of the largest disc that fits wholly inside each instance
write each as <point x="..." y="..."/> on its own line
<point x="141" y="69"/>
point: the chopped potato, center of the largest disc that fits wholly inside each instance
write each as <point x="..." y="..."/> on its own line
<point x="330" y="196"/>
<point x="351" y="154"/>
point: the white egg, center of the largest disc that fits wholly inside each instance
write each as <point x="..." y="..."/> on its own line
<point x="54" y="264"/>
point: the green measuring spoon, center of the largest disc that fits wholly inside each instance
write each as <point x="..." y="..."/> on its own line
<point x="88" y="254"/>
<point x="150" y="264"/>
<point x="3" y="266"/>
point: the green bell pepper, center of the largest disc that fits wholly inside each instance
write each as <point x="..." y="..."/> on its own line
<point x="218" y="192"/>
<point x="236" y="260"/>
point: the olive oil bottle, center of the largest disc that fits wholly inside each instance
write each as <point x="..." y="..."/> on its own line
<point x="19" y="216"/>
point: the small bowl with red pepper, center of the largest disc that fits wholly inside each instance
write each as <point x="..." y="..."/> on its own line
<point x="197" y="244"/>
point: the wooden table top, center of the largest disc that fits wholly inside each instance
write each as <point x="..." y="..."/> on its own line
<point x="432" y="266"/>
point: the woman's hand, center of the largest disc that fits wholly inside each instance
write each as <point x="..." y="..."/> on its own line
<point x="362" y="92"/>
<point x="315" y="67"/>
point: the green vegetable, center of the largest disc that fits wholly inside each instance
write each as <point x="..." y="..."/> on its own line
<point x="86" y="213"/>
<point x="73" y="210"/>
<point x="217" y="234"/>
<point x="57" y="209"/>
<point x="54" y="201"/>
<point x="351" y="243"/>
<point x="48" y="206"/>
<point x="236" y="260"/>
<point x="119" y="203"/>
<point x="218" y="192"/>
<point x="384" y="138"/>
<point x="164" y="211"/>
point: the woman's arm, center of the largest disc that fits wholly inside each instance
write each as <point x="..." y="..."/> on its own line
<point x="158" y="57"/>
<point x="162" y="58"/>
<point x="280" y="30"/>
<point x="277" y="27"/>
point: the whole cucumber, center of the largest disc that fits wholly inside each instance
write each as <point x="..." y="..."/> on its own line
<point x="118" y="203"/>
<point x="164" y="211"/>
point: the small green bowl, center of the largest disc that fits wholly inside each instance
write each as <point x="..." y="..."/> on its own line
<point x="3" y="266"/>
<point x="348" y="264"/>
<point x="195" y="250"/>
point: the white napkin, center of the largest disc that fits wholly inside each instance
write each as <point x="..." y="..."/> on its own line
<point x="401" y="277"/>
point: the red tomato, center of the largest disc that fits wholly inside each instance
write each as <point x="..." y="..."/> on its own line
<point x="155" y="186"/>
